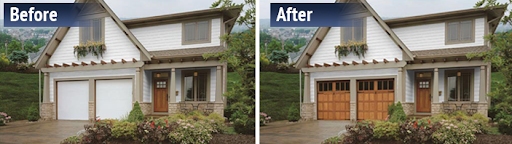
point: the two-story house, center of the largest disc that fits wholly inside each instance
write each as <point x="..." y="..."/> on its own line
<point x="104" y="67"/>
<point x="354" y="73"/>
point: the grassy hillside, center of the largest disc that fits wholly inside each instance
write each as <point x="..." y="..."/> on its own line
<point x="277" y="92"/>
<point x="17" y="92"/>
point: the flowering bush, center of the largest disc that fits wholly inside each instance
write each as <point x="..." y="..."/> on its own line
<point x="264" y="118"/>
<point x="124" y="129"/>
<point x="4" y="118"/>
<point x="155" y="131"/>
<point x="192" y="132"/>
<point x="454" y="132"/>
<point x="386" y="130"/>
<point x="362" y="132"/>
<point x="417" y="131"/>
<point x="97" y="133"/>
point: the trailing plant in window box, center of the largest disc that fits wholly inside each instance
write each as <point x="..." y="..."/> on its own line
<point x="357" y="48"/>
<point x="95" y="48"/>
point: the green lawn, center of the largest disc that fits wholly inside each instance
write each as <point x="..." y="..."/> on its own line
<point x="277" y="92"/>
<point x="17" y="92"/>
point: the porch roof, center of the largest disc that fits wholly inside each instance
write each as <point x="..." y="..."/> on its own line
<point x="187" y="52"/>
<point x="450" y="52"/>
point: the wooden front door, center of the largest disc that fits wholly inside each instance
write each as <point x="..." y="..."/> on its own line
<point x="334" y="100"/>
<point x="160" y="95"/>
<point x="423" y="95"/>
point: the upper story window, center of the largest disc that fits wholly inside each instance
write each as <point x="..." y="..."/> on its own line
<point x="460" y="32"/>
<point x="92" y="30"/>
<point x="355" y="33"/>
<point x="196" y="32"/>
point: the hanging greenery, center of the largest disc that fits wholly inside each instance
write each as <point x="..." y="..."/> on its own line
<point x="95" y="48"/>
<point x="354" y="47"/>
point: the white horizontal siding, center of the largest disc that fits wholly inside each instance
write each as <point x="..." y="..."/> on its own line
<point x="213" y="83"/>
<point x="118" y="46"/>
<point x="380" y="46"/>
<point x="147" y="86"/>
<point x="432" y="36"/>
<point x="409" y="87"/>
<point x="86" y="75"/>
<point x="476" y="83"/>
<point x="168" y="36"/>
<point x="318" y="76"/>
<point x="441" y="84"/>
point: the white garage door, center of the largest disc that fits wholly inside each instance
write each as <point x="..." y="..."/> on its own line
<point x="113" y="98"/>
<point x="73" y="100"/>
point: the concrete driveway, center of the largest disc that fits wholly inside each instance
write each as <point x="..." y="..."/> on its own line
<point x="310" y="132"/>
<point x="51" y="132"/>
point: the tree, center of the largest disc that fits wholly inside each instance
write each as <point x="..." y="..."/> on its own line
<point x="278" y="56"/>
<point x="240" y="57"/>
<point x="18" y="57"/>
<point x="501" y="58"/>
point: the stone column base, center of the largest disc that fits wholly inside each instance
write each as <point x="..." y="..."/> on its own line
<point x="436" y="108"/>
<point x="307" y="111"/>
<point x="173" y="108"/>
<point x="483" y="109"/>
<point x="408" y="108"/>
<point x="91" y="111"/>
<point x="219" y="109"/>
<point x="145" y="107"/>
<point x="47" y="111"/>
<point x="353" y="111"/>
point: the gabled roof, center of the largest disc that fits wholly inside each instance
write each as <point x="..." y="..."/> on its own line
<point x="322" y="32"/>
<point x="174" y="53"/>
<point x="460" y="51"/>
<point x="61" y="32"/>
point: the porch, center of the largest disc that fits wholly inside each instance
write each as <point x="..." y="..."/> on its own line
<point x="196" y="86"/>
<point x="445" y="87"/>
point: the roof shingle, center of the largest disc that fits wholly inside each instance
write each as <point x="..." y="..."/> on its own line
<point x="187" y="52"/>
<point x="449" y="52"/>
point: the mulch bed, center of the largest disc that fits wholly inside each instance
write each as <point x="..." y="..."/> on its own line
<point x="232" y="139"/>
<point x="480" y="139"/>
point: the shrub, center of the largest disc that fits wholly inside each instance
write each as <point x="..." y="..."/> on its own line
<point x="386" y="130"/>
<point x="136" y="114"/>
<point x="216" y="122"/>
<point x="191" y="132"/>
<point x="196" y="115"/>
<point x="4" y="61"/>
<point x="23" y="66"/>
<point x="2" y="120"/>
<point x="417" y="131"/>
<point x="391" y="109"/>
<point x="33" y="113"/>
<point x="72" y="140"/>
<point x="278" y="56"/>
<point x="362" y="132"/>
<point x="97" y="133"/>
<point x="504" y="123"/>
<point x="454" y="132"/>
<point x="18" y="57"/>
<point x="398" y="114"/>
<point x="333" y="140"/>
<point x="124" y="130"/>
<point x="293" y="113"/>
<point x="155" y="131"/>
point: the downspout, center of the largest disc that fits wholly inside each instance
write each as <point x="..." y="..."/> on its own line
<point x="300" y="90"/>
<point x="39" y="92"/>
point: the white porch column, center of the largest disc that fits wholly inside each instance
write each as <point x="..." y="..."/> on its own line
<point x="399" y="85"/>
<point x="136" y="94"/>
<point x="435" y="86"/>
<point x="307" y="97"/>
<point x="218" y="85"/>
<point x="172" y="94"/>
<point x="482" y="96"/>
<point x="46" y="88"/>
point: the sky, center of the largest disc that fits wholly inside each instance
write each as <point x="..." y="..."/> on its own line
<point x="389" y="8"/>
<point x="136" y="8"/>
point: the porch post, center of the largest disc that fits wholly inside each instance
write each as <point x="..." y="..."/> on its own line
<point x="136" y="93"/>
<point x="46" y="88"/>
<point x="482" y="90"/>
<point x="218" y="85"/>
<point x="353" y="99"/>
<point x="224" y="81"/>
<point x="399" y="85"/>
<point x="307" y="98"/>
<point x="172" y="94"/>
<point x="435" y="86"/>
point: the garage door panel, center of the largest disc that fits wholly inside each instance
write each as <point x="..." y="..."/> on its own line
<point x="73" y="100"/>
<point x="373" y="101"/>
<point x="333" y="104"/>
<point x="114" y="98"/>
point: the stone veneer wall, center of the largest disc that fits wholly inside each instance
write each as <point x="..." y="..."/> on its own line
<point x="47" y="111"/>
<point x="353" y="111"/>
<point x="483" y="109"/>
<point x="175" y="108"/>
<point x="436" y="108"/>
<point x="408" y="108"/>
<point x="308" y="111"/>
<point x="145" y="107"/>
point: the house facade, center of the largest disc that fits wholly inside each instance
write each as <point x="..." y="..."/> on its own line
<point x="354" y="73"/>
<point x="103" y="69"/>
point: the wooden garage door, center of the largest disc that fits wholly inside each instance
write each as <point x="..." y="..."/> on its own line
<point x="373" y="98"/>
<point x="334" y="100"/>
